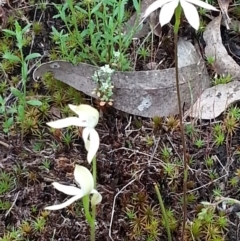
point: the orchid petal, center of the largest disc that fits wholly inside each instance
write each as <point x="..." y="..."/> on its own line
<point x="69" y="121"/>
<point x="69" y="190"/>
<point x="84" y="178"/>
<point x="96" y="197"/>
<point x="85" y="136"/>
<point x="86" y="113"/>
<point x="94" y="142"/>
<point x="65" y="204"/>
<point x="167" y="12"/>
<point x="191" y="14"/>
<point x="202" y="4"/>
<point x="154" y="6"/>
<point x="91" y="141"/>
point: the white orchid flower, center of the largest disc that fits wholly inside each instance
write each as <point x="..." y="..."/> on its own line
<point x="85" y="180"/>
<point x="87" y="117"/>
<point x="169" y="6"/>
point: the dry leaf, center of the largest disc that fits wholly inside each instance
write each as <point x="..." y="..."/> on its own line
<point x="224" y="4"/>
<point x="142" y="93"/>
<point x="224" y="64"/>
<point x="144" y="29"/>
<point x="215" y="100"/>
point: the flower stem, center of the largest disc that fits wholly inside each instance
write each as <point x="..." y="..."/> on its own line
<point x="178" y="12"/>
<point x="163" y="211"/>
<point x="94" y="173"/>
<point x="85" y="201"/>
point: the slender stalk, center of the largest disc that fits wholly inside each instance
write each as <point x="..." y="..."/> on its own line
<point x="94" y="170"/>
<point x="24" y="83"/>
<point x="163" y="211"/>
<point x="176" y="28"/>
<point x="85" y="201"/>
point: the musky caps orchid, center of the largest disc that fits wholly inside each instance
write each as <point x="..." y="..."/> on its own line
<point x="87" y="117"/>
<point x="85" y="180"/>
<point x="169" y="6"/>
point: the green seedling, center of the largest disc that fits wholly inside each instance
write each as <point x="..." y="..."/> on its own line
<point x="234" y="112"/>
<point x="222" y="80"/>
<point x="4" y="205"/>
<point x="219" y="138"/>
<point x="199" y="143"/>
<point x="6" y="182"/>
<point x="209" y="161"/>
<point x="166" y="153"/>
<point x="23" y="61"/>
<point x="143" y="53"/>
<point x="149" y="141"/>
<point x="217" y="192"/>
<point x="230" y="124"/>
<point x="38" y="146"/>
<point x="190" y="130"/>
<point x="39" y="224"/>
<point x="157" y="122"/>
<point x="211" y="60"/>
<point x="234" y="181"/>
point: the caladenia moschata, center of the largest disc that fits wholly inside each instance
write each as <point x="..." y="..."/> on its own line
<point x="87" y="117"/>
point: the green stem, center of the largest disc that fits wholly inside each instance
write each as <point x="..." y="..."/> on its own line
<point x="163" y="211"/>
<point x="178" y="12"/>
<point x="85" y="201"/>
<point x="24" y="82"/>
<point x="94" y="172"/>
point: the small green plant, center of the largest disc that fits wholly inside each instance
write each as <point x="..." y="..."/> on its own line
<point x="172" y="123"/>
<point x="38" y="146"/>
<point x="191" y="198"/>
<point x="234" y="112"/>
<point x="199" y="143"/>
<point x="37" y="28"/>
<point x="212" y="174"/>
<point x="102" y="34"/>
<point x="104" y="90"/>
<point x="210" y="60"/>
<point x="222" y="80"/>
<point x="234" y="181"/>
<point x="230" y="124"/>
<point x="144" y="219"/>
<point x="190" y="130"/>
<point x="149" y="141"/>
<point x="6" y="182"/>
<point x="143" y="52"/>
<point x="166" y="153"/>
<point x="219" y="138"/>
<point x="217" y="192"/>
<point x="209" y="161"/>
<point x="157" y="122"/>
<point x="131" y="214"/>
<point x="67" y="138"/>
<point x="26" y="228"/>
<point x="4" y="205"/>
<point x="19" y="59"/>
<point x="46" y="164"/>
<point x="170" y="170"/>
<point x="39" y="224"/>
